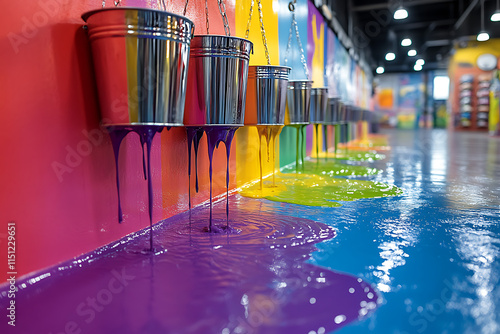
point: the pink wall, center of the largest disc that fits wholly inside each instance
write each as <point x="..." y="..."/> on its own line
<point x="58" y="185"/>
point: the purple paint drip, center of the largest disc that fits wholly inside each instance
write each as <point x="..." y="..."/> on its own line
<point x="252" y="280"/>
<point x="146" y="135"/>
<point x="117" y="135"/>
<point x="216" y="135"/>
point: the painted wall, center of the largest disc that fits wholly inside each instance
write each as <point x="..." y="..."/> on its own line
<point x="58" y="170"/>
<point x="400" y="98"/>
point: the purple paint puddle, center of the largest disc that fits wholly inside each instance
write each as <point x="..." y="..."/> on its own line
<point x="146" y="136"/>
<point x="254" y="281"/>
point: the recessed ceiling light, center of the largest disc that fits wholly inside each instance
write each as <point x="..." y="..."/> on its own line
<point x="412" y="53"/>
<point x="406" y="42"/>
<point x="390" y="56"/>
<point x="420" y="62"/>
<point x="380" y="70"/>
<point x="417" y="67"/>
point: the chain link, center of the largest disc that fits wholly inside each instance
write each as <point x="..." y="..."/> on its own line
<point x="185" y="8"/>
<point x="222" y="11"/>
<point x="116" y="2"/>
<point x="161" y="5"/>
<point x="206" y="15"/>
<point x="262" y="30"/>
<point x="294" y="26"/>
<point x="247" y="33"/>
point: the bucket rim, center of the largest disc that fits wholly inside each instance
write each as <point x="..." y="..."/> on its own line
<point x="89" y="13"/>
<point x="301" y="81"/>
<point x="270" y="66"/>
<point x="228" y="37"/>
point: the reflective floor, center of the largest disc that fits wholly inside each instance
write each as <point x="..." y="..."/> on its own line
<point x="422" y="262"/>
<point x="433" y="253"/>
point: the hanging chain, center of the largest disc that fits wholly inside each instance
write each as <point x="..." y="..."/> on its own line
<point x="222" y="10"/>
<point x="262" y="30"/>
<point x="247" y="33"/>
<point x="116" y="2"/>
<point x="206" y="15"/>
<point x="294" y="26"/>
<point x="185" y="8"/>
<point x="161" y="5"/>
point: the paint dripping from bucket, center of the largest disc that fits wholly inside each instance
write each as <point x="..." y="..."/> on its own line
<point x="146" y="135"/>
<point x="216" y="135"/>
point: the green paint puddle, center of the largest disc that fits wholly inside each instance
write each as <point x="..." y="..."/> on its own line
<point x="316" y="190"/>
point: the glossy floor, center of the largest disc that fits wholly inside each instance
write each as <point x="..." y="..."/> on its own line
<point x="434" y="252"/>
<point x="422" y="262"/>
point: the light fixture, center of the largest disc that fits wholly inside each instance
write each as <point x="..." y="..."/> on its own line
<point x="380" y="70"/>
<point x="483" y="35"/>
<point x="390" y="56"/>
<point x="412" y="53"/>
<point x="406" y="42"/>
<point x="496" y="15"/>
<point x="420" y="62"/>
<point x="417" y="67"/>
<point x="401" y="13"/>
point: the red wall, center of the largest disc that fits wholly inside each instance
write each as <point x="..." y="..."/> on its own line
<point x="48" y="103"/>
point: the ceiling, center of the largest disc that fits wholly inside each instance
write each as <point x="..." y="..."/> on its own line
<point x="434" y="26"/>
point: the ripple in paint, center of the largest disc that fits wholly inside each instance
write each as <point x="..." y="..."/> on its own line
<point x="254" y="281"/>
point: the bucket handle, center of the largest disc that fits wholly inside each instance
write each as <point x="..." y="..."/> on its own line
<point x="291" y="7"/>
<point x="262" y="30"/>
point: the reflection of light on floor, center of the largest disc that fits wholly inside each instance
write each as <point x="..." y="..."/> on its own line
<point x="392" y="252"/>
<point x="479" y="250"/>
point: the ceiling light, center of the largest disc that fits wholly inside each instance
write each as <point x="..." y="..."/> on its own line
<point x="406" y="42"/>
<point x="420" y="62"/>
<point x="400" y="13"/>
<point x="390" y="56"/>
<point x="483" y="35"/>
<point x="417" y="67"/>
<point x="380" y="70"/>
<point x="412" y="53"/>
<point x="496" y="15"/>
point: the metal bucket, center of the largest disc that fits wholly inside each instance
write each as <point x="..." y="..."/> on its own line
<point x="319" y="101"/>
<point x="217" y="80"/>
<point x="140" y="58"/>
<point x="298" y="102"/>
<point x="333" y="111"/>
<point x="342" y="111"/>
<point x="266" y="95"/>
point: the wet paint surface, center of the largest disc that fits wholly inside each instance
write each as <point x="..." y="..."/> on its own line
<point x="252" y="280"/>
<point x="433" y="252"/>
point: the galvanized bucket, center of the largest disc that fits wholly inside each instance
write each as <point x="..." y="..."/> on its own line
<point x="266" y="95"/>
<point x="298" y="102"/>
<point x="343" y="113"/>
<point x="319" y="100"/>
<point x="140" y="58"/>
<point x="333" y="111"/>
<point x="217" y="80"/>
